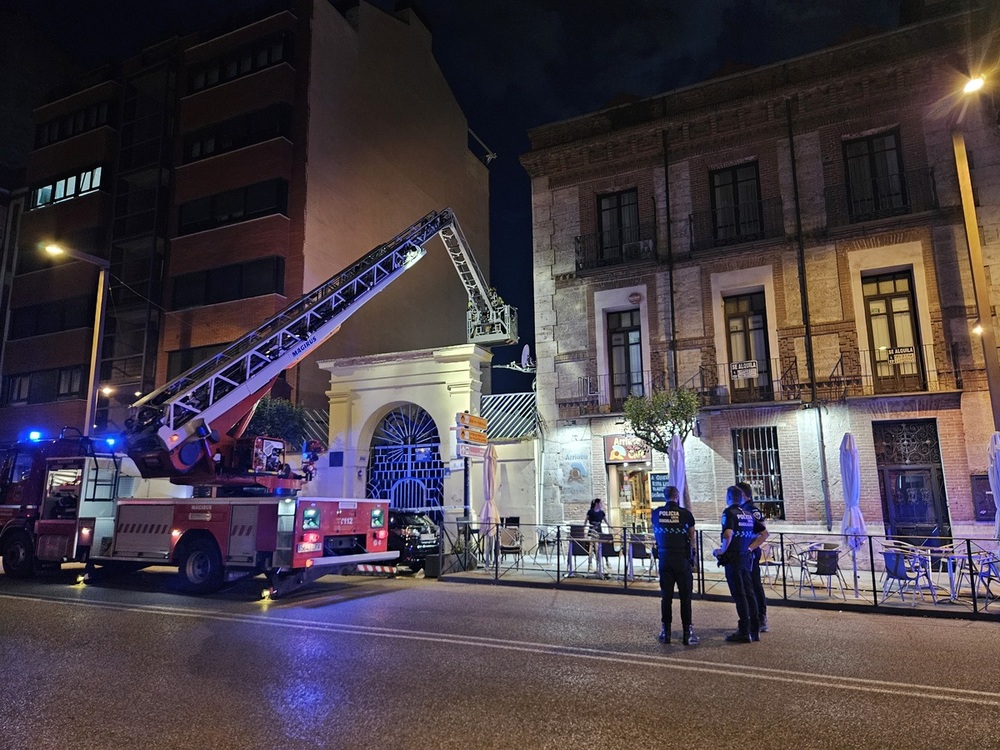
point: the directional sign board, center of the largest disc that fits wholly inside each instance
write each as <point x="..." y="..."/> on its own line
<point x="471" y="451"/>
<point x="464" y="419"/>
<point x="465" y="435"/>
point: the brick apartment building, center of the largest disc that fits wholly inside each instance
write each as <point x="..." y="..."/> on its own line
<point x="788" y="242"/>
<point x="222" y="175"/>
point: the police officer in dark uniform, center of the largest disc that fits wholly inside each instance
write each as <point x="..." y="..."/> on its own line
<point x="760" y="530"/>
<point x="738" y="542"/>
<point x="675" y="541"/>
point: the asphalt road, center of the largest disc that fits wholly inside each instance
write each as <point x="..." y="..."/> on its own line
<point x="357" y="662"/>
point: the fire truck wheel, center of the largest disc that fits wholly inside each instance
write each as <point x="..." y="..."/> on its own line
<point x="19" y="556"/>
<point x="201" y="567"/>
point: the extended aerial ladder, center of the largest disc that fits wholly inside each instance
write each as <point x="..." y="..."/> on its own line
<point x="175" y="428"/>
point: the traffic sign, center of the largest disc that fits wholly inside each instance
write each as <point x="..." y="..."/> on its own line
<point x="464" y="419"/>
<point x="471" y="451"/>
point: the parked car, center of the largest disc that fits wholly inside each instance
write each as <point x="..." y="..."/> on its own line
<point x="414" y="535"/>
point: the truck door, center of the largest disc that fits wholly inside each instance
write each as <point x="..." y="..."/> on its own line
<point x="56" y="528"/>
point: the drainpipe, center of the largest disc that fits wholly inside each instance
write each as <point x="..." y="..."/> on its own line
<point x="804" y="301"/>
<point x="672" y="343"/>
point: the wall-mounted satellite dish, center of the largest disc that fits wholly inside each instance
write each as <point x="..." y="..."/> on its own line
<point x="527" y="364"/>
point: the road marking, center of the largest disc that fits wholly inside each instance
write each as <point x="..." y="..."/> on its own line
<point x="727" y="669"/>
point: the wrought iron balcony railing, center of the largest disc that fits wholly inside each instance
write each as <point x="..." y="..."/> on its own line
<point x="606" y="394"/>
<point x="615" y="247"/>
<point x="732" y="225"/>
<point x="881" y="197"/>
<point x="884" y="371"/>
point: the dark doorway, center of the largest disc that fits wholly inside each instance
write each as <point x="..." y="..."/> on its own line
<point x="914" y="504"/>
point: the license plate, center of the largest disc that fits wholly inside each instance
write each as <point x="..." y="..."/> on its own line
<point x="428" y="537"/>
<point x="309" y="547"/>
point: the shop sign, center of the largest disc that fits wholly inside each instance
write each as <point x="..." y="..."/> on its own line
<point x="620" y="449"/>
<point x="743" y="370"/>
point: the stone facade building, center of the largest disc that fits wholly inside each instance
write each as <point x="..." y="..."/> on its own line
<point x="789" y="243"/>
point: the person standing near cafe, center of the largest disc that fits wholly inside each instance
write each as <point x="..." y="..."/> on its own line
<point x="760" y="530"/>
<point x="673" y="527"/>
<point x="738" y="542"/>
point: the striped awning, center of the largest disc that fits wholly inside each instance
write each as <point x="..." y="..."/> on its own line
<point x="511" y="416"/>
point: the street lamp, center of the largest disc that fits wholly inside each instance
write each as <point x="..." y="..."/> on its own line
<point x="983" y="306"/>
<point x="95" y="351"/>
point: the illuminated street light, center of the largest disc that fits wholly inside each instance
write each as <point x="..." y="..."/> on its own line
<point x="95" y="351"/>
<point x="983" y="306"/>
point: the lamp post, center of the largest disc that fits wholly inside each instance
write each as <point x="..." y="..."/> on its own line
<point x="983" y="306"/>
<point x="95" y="350"/>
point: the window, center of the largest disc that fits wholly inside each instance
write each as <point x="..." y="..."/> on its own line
<point x="43" y="386"/>
<point x="228" y="283"/>
<point x="736" y="206"/>
<point x="625" y="351"/>
<point x="37" y="320"/>
<point x="262" y="199"/>
<point x="874" y="173"/>
<point x="18" y="387"/>
<point x="755" y="456"/>
<point x="260" y="54"/>
<point x="749" y="354"/>
<point x="618" y="219"/>
<point x="93" y="116"/>
<point x="891" y="314"/>
<point x="70" y="383"/>
<point x="239" y="132"/>
<point x="66" y="187"/>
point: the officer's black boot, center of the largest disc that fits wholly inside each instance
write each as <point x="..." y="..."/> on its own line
<point x="665" y="634"/>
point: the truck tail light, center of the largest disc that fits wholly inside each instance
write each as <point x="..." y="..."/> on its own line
<point x="310" y="538"/>
<point x="381" y="534"/>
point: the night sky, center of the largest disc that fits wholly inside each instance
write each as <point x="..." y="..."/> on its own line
<point x="517" y="64"/>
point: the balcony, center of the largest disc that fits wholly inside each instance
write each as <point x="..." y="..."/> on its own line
<point x="616" y="247"/>
<point x="734" y="225"/>
<point x="881" y="372"/>
<point x="885" y="197"/>
<point x="606" y="394"/>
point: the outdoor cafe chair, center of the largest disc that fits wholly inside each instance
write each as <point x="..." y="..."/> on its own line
<point x="905" y="570"/>
<point x="987" y="572"/>
<point x="825" y="563"/>
<point x="510" y="544"/>
<point x="546" y="541"/>
<point x="770" y="563"/>
<point x="609" y="550"/>
<point x="639" y="551"/>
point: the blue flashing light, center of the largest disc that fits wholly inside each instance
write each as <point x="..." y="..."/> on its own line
<point x="34" y="436"/>
<point x="110" y="441"/>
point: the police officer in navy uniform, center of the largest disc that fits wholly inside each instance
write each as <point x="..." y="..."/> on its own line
<point x="675" y="541"/>
<point x="738" y="543"/>
<point x="760" y="530"/>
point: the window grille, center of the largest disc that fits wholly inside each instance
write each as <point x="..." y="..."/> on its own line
<point x="756" y="459"/>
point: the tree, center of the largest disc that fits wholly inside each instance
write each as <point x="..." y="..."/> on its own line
<point x="656" y="419"/>
<point x="279" y="418"/>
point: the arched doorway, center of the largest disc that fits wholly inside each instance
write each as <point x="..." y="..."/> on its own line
<point x="405" y="464"/>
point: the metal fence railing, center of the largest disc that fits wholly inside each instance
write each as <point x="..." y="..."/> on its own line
<point x="957" y="577"/>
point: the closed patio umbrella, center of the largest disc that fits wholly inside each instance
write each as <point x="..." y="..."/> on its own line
<point x="994" y="475"/>
<point x="678" y="472"/>
<point x="489" y="517"/>
<point x="853" y="526"/>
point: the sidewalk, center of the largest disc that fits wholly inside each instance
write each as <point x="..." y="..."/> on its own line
<point x="785" y="584"/>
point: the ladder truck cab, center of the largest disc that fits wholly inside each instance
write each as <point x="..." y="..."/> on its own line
<point x="179" y="495"/>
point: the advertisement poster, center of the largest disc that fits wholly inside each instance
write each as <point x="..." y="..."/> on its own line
<point x="575" y="472"/>
<point x="623" y="449"/>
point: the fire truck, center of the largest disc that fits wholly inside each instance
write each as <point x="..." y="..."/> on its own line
<point x="177" y="494"/>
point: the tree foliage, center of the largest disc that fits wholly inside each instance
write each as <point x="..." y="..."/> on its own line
<point x="280" y="418"/>
<point x="657" y="418"/>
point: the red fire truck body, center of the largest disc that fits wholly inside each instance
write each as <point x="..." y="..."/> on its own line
<point x="67" y="507"/>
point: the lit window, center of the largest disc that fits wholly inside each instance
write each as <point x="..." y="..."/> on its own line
<point x="43" y="195"/>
